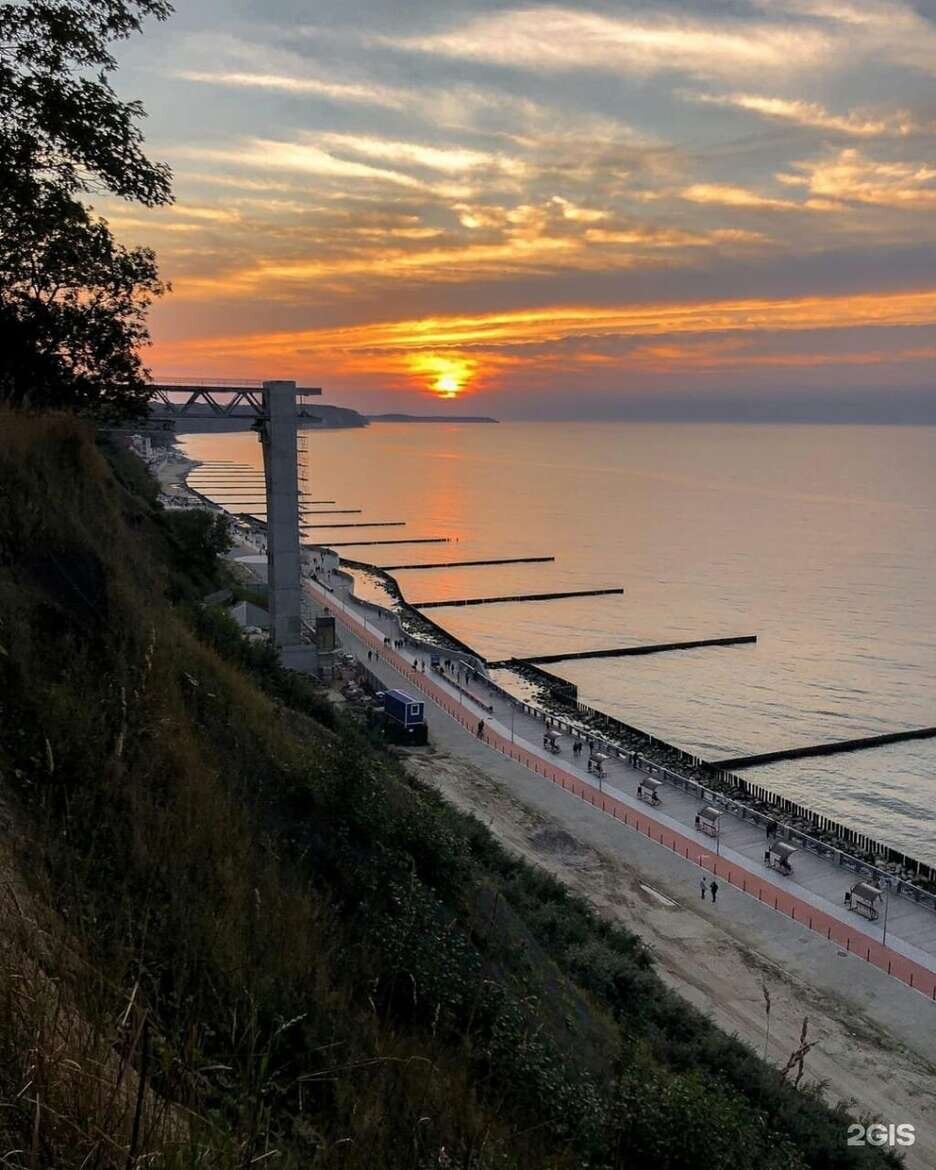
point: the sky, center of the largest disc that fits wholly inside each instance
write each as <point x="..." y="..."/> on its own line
<point x="688" y="210"/>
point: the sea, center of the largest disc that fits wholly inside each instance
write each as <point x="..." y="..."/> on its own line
<point x="821" y="540"/>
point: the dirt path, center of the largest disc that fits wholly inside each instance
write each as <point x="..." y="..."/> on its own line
<point x="719" y="971"/>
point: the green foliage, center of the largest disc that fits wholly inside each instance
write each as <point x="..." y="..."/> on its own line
<point x="267" y="936"/>
<point x="73" y="306"/>
<point x="197" y="538"/>
<point x="72" y="301"/>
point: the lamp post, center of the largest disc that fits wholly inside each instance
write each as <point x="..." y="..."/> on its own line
<point x="513" y="712"/>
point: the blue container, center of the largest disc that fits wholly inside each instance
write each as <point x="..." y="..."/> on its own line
<point x="404" y="709"/>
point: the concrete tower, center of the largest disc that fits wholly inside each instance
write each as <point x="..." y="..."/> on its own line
<point x="280" y="454"/>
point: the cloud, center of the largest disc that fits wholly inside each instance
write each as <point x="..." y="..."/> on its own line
<point x="281" y="250"/>
<point x="731" y="195"/>
<point x="448" y="159"/>
<point x="554" y="324"/>
<point x="730" y="354"/>
<point x="302" y="157"/>
<point x="335" y="91"/>
<point x="852" y="177"/>
<point x="555" y="39"/>
<point x="857" y="123"/>
<point x="879" y="30"/>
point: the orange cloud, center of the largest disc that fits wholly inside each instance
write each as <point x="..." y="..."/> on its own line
<point x="856" y="123"/>
<point x="517" y="336"/>
<point x="852" y="177"/>
<point x="730" y="195"/>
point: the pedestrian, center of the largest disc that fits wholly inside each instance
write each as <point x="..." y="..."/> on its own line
<point x="703" y="884"/>
<point x="370" y="655"/>
<point x="480" y="729"/>
<point x="415" y="664"/>
<point x="714" y="889"/>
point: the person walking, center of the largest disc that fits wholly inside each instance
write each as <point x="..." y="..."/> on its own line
<point x="703" y="885"/>
<point x="714" y="888"/>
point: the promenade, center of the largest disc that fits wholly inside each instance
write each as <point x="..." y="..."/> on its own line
<point x="903" y="946"/>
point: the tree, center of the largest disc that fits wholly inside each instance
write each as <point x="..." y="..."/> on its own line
<point x="72" y="301"/>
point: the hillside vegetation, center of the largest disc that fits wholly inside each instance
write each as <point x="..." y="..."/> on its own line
<point x="235" y="933"/>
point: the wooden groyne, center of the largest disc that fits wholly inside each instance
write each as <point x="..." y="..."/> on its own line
<point x="514" y="597"/>
<point x="824" y="749"/>
<point x="361" y="543"/>
<point x="621" y="651"/>
<point x="369" y="524"/>
<point x="465" y="564"/>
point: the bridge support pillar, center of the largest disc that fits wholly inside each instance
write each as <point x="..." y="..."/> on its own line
<point x="278" y="435"/>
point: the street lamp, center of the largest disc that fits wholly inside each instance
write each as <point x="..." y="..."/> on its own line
<point x="886" y="904"/>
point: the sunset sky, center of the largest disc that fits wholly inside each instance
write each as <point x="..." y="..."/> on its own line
<point x="662" y="209"/>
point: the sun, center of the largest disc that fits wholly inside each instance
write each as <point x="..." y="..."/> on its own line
<point x="447" y="375"/>
<point x="447" y="385"/>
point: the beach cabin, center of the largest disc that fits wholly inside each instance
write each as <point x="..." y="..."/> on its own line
<point x="778" y="857"/>
<point x="404" y="718"/>
<point x="596" y="765"/>
<point x="708" y="820"/>
<point x="863" y="898"/>
<point x="649" y="790"/>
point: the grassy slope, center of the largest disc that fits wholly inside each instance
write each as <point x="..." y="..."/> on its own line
<point x="249" y="931"/>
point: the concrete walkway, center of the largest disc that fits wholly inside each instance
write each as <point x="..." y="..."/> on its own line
<point x="812" y="897"/>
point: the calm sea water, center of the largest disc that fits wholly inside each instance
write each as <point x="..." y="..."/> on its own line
<point x="821" y="540"/>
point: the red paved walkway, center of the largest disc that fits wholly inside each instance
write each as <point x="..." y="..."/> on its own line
<point x="854" y="941"/>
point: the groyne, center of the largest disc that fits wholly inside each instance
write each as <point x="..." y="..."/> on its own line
<point x="466" y="564"/>
<point x="513" y="597"/>
<point x="825" y="749"/>
<point x="622" y="651"/>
